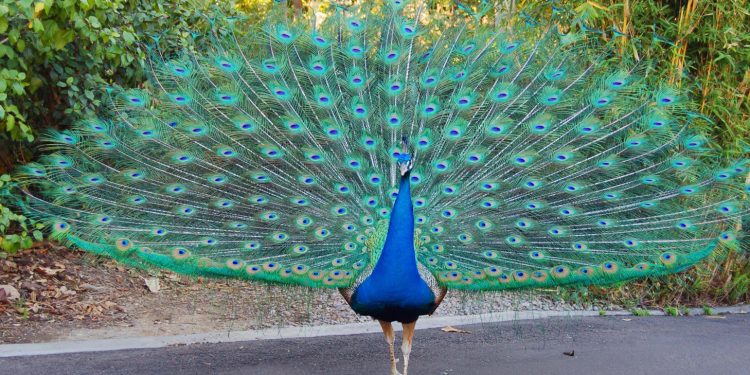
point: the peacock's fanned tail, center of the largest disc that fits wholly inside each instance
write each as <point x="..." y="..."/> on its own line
<point x="541" y="157"/>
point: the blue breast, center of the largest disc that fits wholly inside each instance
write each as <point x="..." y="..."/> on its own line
<point x="394" y="291"/>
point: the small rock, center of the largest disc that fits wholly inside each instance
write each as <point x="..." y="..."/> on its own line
<point x="9" y="293"/>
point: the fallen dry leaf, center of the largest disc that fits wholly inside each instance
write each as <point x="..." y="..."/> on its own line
<point x="452" y="329"/>
<point x="152" y="283"/>
<point x="50" y="271"/>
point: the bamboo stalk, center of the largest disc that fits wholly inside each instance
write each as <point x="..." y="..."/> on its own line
<point x="683" y="30"/>
<point x="624" y="28"/>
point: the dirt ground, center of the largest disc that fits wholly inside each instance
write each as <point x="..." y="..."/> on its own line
<point x="52" y="293"/>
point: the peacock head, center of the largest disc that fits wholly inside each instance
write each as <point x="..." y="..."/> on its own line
<point x="404" y="159"/>
<point x="405" y="163"/>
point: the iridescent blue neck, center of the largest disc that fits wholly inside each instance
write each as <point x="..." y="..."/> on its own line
<point x="394" y="291"/>
<point x="398" y="255"/>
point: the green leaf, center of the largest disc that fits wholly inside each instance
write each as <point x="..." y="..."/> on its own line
<point x="128" y="37"/>
<point x="37" y="25"/>
<point x="10" y="123"/>
<point x="94" y="22"/>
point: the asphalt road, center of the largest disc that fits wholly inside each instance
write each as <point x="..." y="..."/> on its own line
<point x="608" y="345"/>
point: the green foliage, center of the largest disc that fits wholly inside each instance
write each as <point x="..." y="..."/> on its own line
<point x="57" y="58"/>
<point x="640" y="312"/>
<point x="24" y="231"/>
<point x="672" y="311"/>
<point x="59" y="55"/>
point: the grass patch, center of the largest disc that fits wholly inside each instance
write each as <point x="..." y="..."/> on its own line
<point x="640" y="312"/>
<point x="672" y="311"/>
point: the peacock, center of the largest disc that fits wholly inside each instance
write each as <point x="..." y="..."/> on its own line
<point x="394" y="154"/>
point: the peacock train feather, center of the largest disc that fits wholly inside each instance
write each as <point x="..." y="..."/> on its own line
<point x="540" y="156"/>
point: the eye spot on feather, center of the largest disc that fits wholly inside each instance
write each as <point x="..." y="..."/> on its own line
<point x="689" y="190"/>
<point x="610" y="268"/>
<point x="465" y="238"/>
<point x="180" y="253"/>
<point x="103" y="219"/>
<point x="668" y="258"/>
<point x="237" y="225"/>
<point x="60" y="227"/>
<point x="252" y="245"/>
<point x="504" y="279"/>
<point x="315" y="275"/>
<point x="539" y="276"/>
<point x="269" y="216"/>
<point x="536" y="255"/>
<point x="186" y="210"/>
<point x="489" y="186"/>
<point x="224" y="204"/>
<point x="520" y="276"/>
<point x="279" y="237"/>
<point x="523" y="224"/>
<point x="234" y="264"/>
<point x="556" y="231"/>
<point x="532" y="184"/>
<point x="514" y="240"/>
<point x="727" y="237"/>
<point x="509" y="47"/>
<point x="580" y="246"/>
<point x="684" y="224"/>
<point x="448" y="213"/>
<point x="251" y="270"/>
<point x="648" y="204"/>
<point x="631" y="242"/>
<point x="534" y="205"/>
<point x="727" y="208"/>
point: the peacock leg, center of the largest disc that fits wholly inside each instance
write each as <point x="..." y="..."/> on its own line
<point x="406" y="339"/>
<point x="391" y="338"/>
